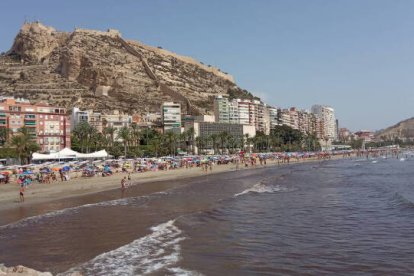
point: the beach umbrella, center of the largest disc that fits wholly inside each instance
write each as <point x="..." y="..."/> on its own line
<point x="66" y="168"/>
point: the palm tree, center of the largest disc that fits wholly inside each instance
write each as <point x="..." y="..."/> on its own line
<point x="200" y="144"/>
<point x="82" y="132"/>
<point x="135" y="134"/>
<point x="156" y="144"/>
<point x="171" y="139"/>
<point x="125" y="135"/>
<point x="214" y="137"/>
<point x="145" y="134"/>
<point x="190" y="133"/>
<point x="24" y="144"/>
<point x="223" y="140"/>
<point x="245" y="141"/>
<point x="182" y="141"/>
<point x="109" y="133"/>
<point x="231" y="141"/>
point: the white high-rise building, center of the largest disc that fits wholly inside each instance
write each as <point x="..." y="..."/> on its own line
<point x="221" y="109"/>
<point x="273" y="116"/>
<point x="77" y="117"/>
<point x="327" y="115"/>
<point x="171" y="117"/>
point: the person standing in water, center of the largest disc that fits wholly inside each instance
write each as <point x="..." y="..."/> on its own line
<point x="21" y="193"/>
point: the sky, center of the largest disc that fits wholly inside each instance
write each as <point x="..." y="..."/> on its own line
<point x="354" y="55"/>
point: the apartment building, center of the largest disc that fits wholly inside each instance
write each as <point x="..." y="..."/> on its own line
<point x="48" y="125"/>
<point x="171" y="117"/>
<point x="327" y="115"/>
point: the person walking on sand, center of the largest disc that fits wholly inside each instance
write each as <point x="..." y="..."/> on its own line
<point x="21" y="194"/>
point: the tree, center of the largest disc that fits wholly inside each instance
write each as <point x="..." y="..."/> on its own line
<point x="190" y="133"/>
<point x="171" y="140"/>
<point x="84" y="133"/>
<point x="246" y="144"/>
<point x="214" y="138"/>
<point x="200" y="143"/>
<point x="223" y="136"/>
<point x="156" y="145"/>
<point x="124" y="134"/>
<point x="291" y="139"/>
<point x="24" y="145"/>
<point x="109" y="133"/>
<point x="4" y="135"/>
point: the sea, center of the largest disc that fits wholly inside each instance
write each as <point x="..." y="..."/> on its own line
<point x="341" y="217"/>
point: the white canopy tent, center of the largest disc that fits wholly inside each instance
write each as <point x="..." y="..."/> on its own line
<point x="67" y="153"/>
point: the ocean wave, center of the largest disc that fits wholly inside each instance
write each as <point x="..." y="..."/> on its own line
<point x="402" y="201"/>
<point x="158" y="250"/>
<point x="263" y="188"/>
<point x="178" y="271"/>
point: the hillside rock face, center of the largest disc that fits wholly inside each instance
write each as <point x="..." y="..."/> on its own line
<point x="101" y="71"/>
<point x="404" y="130"/>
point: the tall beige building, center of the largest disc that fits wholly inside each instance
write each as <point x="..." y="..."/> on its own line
<point x="327" y="116"/>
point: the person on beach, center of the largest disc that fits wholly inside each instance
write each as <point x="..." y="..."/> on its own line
<point x="123" y="182"/>
<point x="61" y="175"/>
<point x="21" y="192"/>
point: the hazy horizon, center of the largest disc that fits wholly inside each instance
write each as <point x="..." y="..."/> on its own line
<point x="355" y="56"/>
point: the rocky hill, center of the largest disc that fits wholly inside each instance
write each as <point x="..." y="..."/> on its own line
<point x="403" y="130"/>
<point x="102" y="71"/>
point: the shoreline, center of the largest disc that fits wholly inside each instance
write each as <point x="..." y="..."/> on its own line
<point x="78" y="187"/>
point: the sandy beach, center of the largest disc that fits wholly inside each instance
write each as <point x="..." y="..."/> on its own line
<point x="79" y="186"/>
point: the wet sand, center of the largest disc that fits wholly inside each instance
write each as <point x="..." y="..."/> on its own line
<point x="81" y="186"/>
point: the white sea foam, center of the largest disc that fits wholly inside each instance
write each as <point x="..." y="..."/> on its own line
<point x="262" y="188"/>
<point x="178" y="271"/>
<point x="159" y="249"/>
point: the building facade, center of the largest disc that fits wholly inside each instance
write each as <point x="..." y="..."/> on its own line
<point x="221" y="109"/>
<point x="48" y="125"/>
<point x="171" y="117"/>
<point x="327" y="115"/>
<point x="206" y="129"/>
<point x="242" y="111"/>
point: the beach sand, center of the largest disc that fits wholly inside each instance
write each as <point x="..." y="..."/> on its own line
<point x="79" y="186"/>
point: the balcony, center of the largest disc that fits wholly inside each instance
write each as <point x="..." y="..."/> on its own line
<point x="30" y="117"/>
<point x="29" y="123"/>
